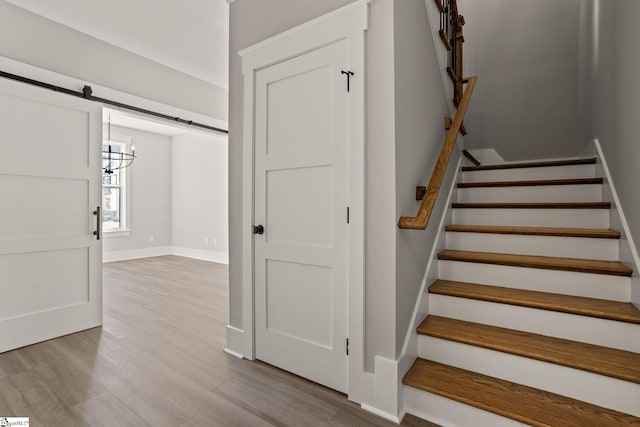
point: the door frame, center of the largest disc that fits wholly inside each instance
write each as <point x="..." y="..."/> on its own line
<point x="349" y="22"/>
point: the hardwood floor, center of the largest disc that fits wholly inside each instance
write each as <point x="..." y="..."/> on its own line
<point x="158" y="361"/>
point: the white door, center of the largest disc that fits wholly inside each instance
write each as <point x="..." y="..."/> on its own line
<point x="50" y="186"/>
<point x="301" y="186"/>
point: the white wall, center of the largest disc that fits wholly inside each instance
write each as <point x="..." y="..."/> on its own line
<point x="150" y="190"/>
<point x="31" y="39"/>
<point x="199" y="189"/>
<point x="178" y="195"/>
<point x="611" y="60"/>
<point x="525" y="53"/>
<point x="254" y="20"/>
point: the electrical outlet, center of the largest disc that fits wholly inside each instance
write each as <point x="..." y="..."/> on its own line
<point x="215" y="241"/>
<point x="151" y="238"/>
<point x="206" y="241"/>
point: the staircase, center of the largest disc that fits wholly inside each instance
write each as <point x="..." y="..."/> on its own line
<point x="530" y="320"/>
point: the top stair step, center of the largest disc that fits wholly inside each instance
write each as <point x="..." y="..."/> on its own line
<point x="549" y="170"/>
<point x="571" y="162"/>
<point x="532" y="183"/>
<point x="521" y="403"/>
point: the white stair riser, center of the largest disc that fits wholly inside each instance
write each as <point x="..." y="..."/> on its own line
<point x="450" y="413"/>
<point x="611" y="393"/>
<point x="570" y="247"/>
<point x="550" y="172"/>
<point x="603" y="332"/>
<point x="546" y="193"/>
<point x="568" y="218"/>
<point x="614" y="288"/>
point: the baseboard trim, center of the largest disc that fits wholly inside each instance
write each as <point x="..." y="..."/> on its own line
<point x="112" y="256"/>
<point x="219" y="257"/>
<point x="135" y="253"/>
<point x="233" y="353"/>
<point x="235" y="342"/>
<point x="380" y="413"/>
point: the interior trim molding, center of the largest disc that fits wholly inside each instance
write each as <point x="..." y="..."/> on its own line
<point x="349" y="22"/>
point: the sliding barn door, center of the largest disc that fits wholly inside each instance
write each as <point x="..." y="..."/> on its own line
<point x="50" y="185"/>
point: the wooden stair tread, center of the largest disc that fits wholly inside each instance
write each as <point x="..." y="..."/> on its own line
<point x="521" y="403"/>
<point x="571" y="162"/>
<point x="583" y="306"/>
<point x="536" y="231"/>
<point x="532" y="183"/>
<point x="620" y="364"/>
<point x="614" y="268"/>
<point x="538" y="205"/>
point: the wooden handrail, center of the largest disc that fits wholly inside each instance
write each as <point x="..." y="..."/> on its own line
<point x="420" y="221"/>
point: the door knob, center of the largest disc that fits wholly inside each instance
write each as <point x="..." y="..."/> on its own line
<point x="258" y="229"/>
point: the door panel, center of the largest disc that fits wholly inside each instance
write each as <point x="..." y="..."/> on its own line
<point x="50" y="185"/>
<point x="300" y="204"/>
<point x="301" y="160"/>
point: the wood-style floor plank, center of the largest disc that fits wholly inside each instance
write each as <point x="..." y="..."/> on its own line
<point x="536" y="231"/>
<point x="603" y="309"/>
<point x="620" y="364"/>
<point x="159" y="361"/>
<point x="521" y="403"/>
<point x="614" y="268"/>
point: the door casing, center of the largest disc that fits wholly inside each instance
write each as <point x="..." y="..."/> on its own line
<point x="349" y="22"/>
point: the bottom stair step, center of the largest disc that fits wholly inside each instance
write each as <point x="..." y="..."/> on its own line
<point x="515" y="401"/>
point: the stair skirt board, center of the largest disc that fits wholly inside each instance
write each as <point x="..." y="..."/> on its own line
<point x="610" y="393"/>
<point x="579" y="218"/>
<point x="448" y="412"/>
<point x="614" y="288"/>
<point x="571" y="247"/>
<point x="591" y="330"/>
<point x="543" y="193"/>
<point x="552" y="172"/>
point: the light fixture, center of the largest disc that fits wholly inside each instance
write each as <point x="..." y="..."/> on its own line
<point x="114" y="160"/>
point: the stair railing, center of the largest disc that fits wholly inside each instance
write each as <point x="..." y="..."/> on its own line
<point x="451" y="23"/>
<point x="420" y="221"/>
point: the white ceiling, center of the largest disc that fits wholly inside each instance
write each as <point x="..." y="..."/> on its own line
<point x="190" y="36"/>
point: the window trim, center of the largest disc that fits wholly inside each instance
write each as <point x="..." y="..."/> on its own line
<point x="125" y="190"/>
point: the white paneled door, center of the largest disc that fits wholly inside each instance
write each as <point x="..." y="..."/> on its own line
<point x="301" y="199"/>
<point x="50" y="186"/>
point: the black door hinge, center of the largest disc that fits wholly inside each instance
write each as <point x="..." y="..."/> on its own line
<point x="348" y="215"/>
<point x="347" y="346"/>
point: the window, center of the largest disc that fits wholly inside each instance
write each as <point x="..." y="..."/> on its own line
<point x="114" y="190"/>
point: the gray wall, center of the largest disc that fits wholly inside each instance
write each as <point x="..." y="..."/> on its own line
<point x="421" y="105"/>
<point x="150" y="185"/>
<point x="611" y="60"/>
<point x="254" y="20"/>
<point x="199" y="187"/>
<point x="525" y="53"/>
<point x="34" y="40"/>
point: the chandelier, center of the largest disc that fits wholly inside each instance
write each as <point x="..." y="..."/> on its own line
<point x="113" y="160"/>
